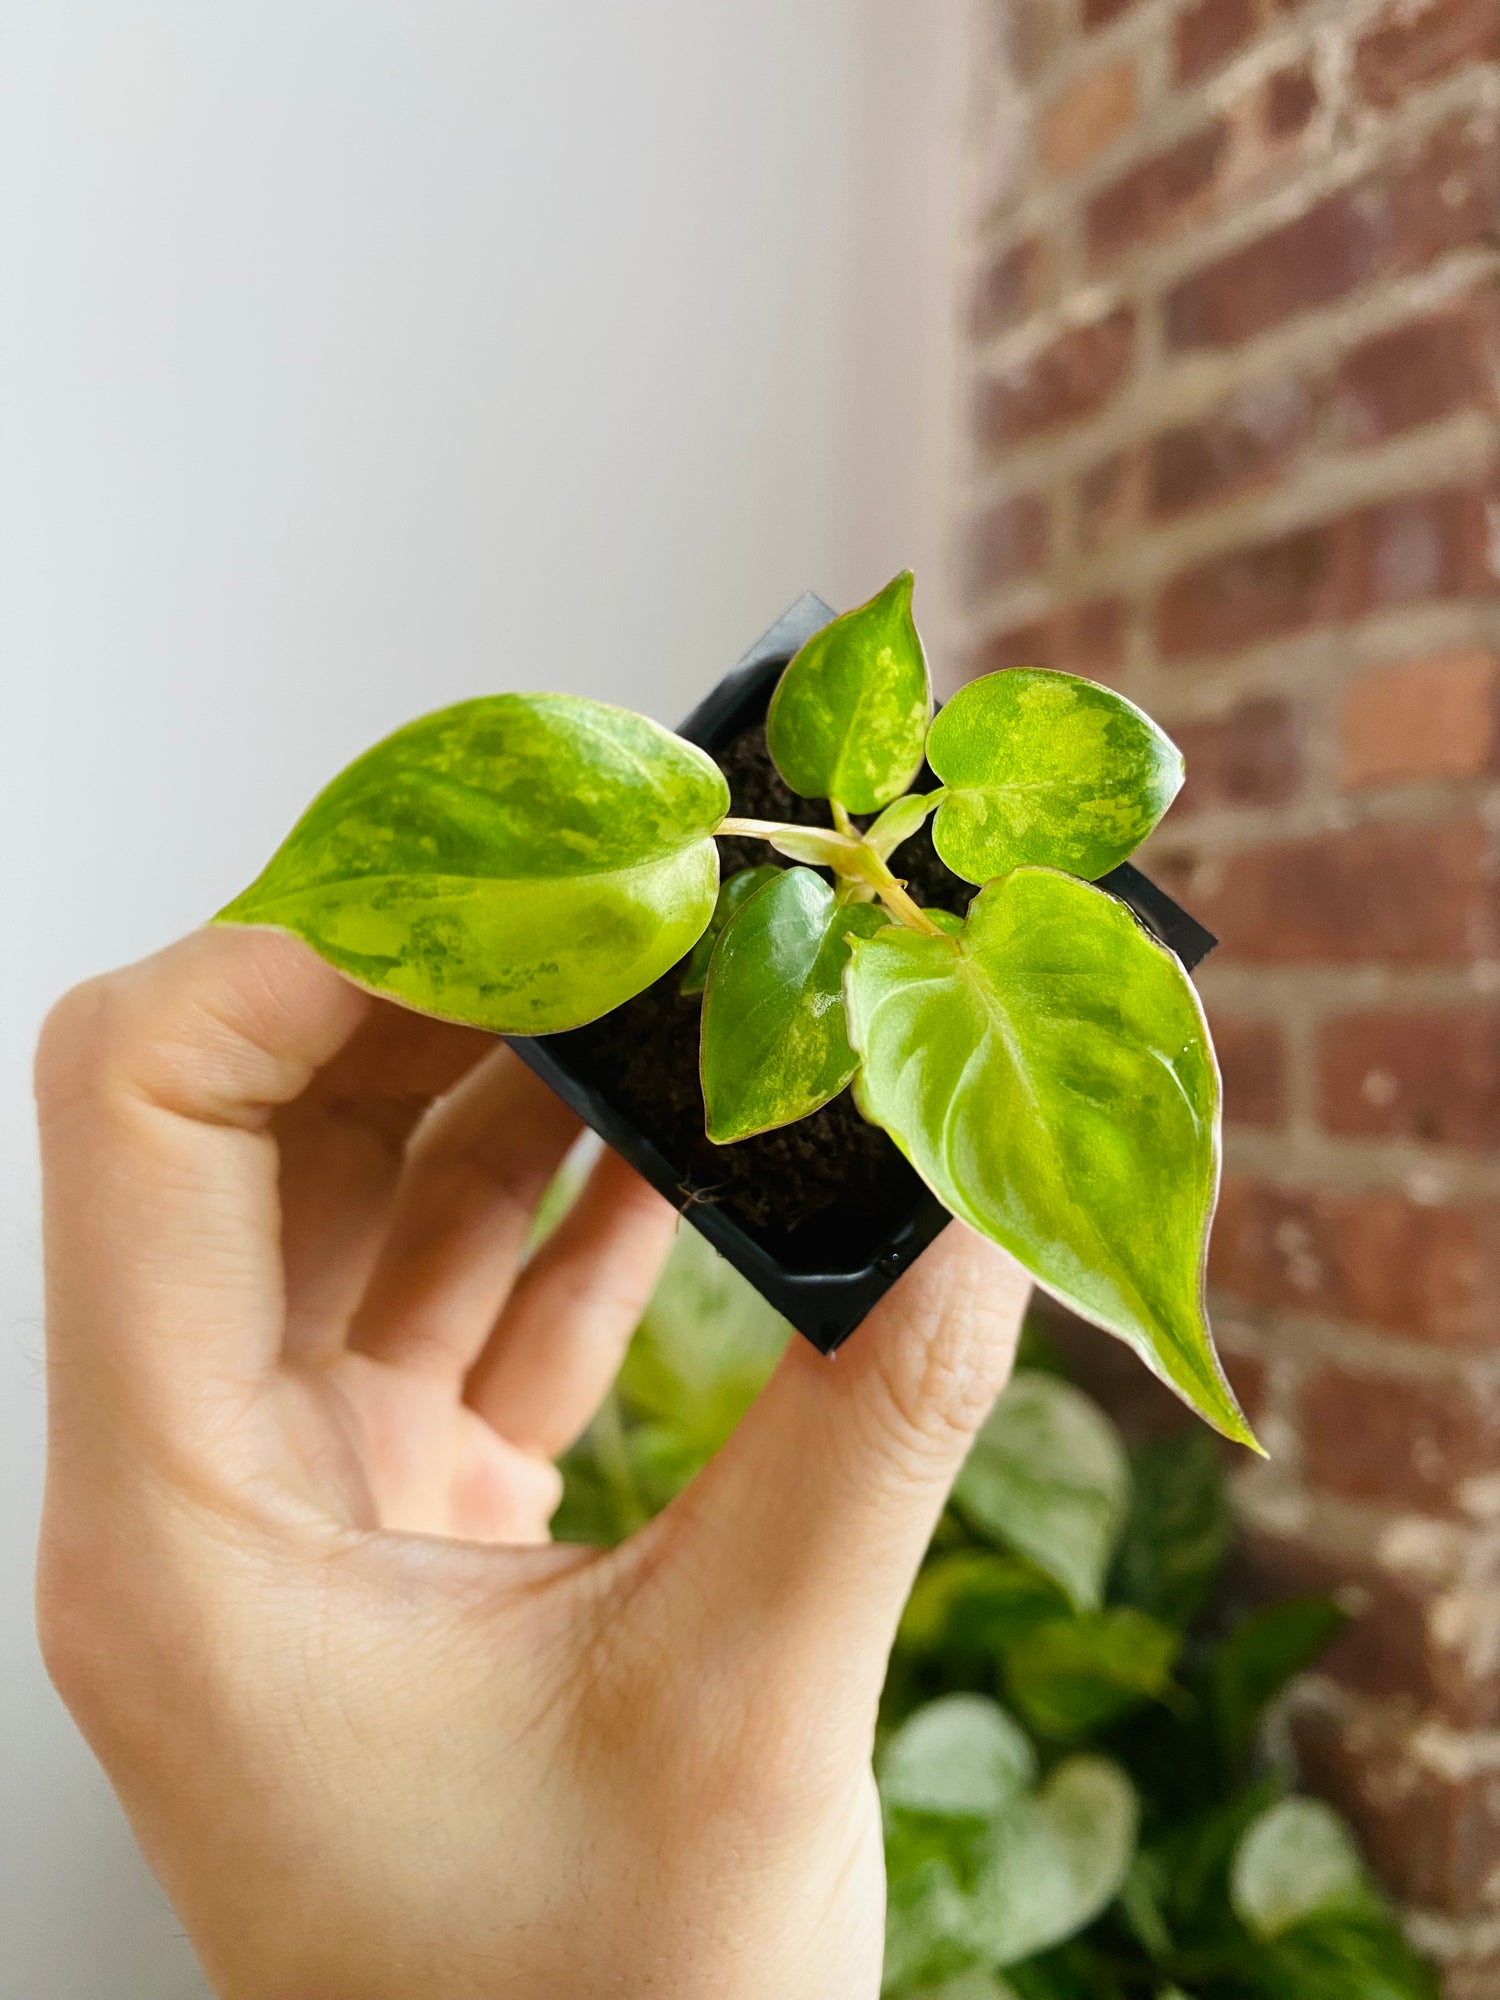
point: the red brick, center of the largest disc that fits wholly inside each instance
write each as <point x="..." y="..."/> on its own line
<point x="1009" y="540"/>
<point x="1073" y="376"/>
<point x="1471" y="1979"/>
<point x="1432" y="1075"/>
<point x="1399" y="1443"/>
<point x="1399" y="551"/>
<point x="1414" y="375"/>
<point x="1290" y="101"/>
<point x="1099" y="13"/>
<point x="1152" y="197"/>
<point x="1249" y="1377"/>
<point x="1341" y="242"/>
<point x="1430" y="1834"/>
<point x="1109" y="501"/>
<point x="1247" y="757"/>
<point x="1372" y="1257"/>
<point x="1407" y="1635"/>
<point x="1422" y="719"/>
<point x="1208" y="32"/>
<point x="1085" y="638"/>
<point x="1380" y="894"/>
<point x="1411" y="46"/>
<point x="1446" y="195"/>
<point x="1090" y="115"/>
<point x="1246" y="441"/>
<point x="1252" y="1061"/>
<point x="1018" y="283"/>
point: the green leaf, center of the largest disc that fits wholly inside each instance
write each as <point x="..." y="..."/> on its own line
<point x="1045" y="768"/>
<point x="1052" y="1863"/>
<point x="774" y="1045"/>
<point x="974" y="1603"/>
<point x="1343" y="1959"/>
<point x="1049" y="1075"/>
<point x="961" y="1756"/>
<point x="849" y="716"/>
<point x="899" y="822"/>
<point x="705" y="1347"/>
<point x="928" y="1918"/>
<point x="1179" y="1528"/>
<point x="1298" y="1861"/>
<point x="972" y="1985"/>
<point x="523" y="862"/>
<point x="1257" y="1660"/>
<point x="1047" y="1476"/>
<point x="1074" y="1675"/>
<point x="737" y="890"/>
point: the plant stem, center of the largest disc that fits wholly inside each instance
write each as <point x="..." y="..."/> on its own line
<point x="850" y="858"/>
<point x="842" y="821"/>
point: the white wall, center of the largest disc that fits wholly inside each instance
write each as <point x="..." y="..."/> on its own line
<point x="357" y="356"/>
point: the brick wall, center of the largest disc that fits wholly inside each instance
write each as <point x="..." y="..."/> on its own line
<point x="1235" y="344"/>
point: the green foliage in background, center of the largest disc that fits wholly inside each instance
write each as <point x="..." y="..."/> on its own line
<point x="528" y="862"/>
<point x="1078" y="1804"/>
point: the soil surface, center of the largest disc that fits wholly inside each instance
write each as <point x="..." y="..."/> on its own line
<point x="822" y="1194"/>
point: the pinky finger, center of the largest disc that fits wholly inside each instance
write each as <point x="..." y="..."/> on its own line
<point x="558" y="1344"/>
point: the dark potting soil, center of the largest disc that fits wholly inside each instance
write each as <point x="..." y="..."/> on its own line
<point x="822" y="1194"/>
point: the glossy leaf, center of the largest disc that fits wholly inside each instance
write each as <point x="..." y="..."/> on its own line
<point x="1053" y="1863"/>
<point x="1047" y="1476"/>
<point x="899" y="822"/>
<point x="974" y="1603"/>
<point x="849" y="716"/>
<point x="961" y="1756"/>
<point x="1179" y="1528"/>
<point x="1045" y="768"/>
<point x="1074" y="1675"/>
<point x="521" y="862"/>
<point x="738" y="889"/>
<point x="1049" y="1075"/>
<point x="1298" y="1861"/>
<point x="1257" y="1660"/>
<point x="774" y="1046"/>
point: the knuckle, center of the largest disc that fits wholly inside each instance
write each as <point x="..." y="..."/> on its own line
<point x="72" y="1040"/>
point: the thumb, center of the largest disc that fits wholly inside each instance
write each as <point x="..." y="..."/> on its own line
<point x="816" y="1514"/>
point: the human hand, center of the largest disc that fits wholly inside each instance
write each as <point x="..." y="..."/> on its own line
<point x="376" y="1735"/>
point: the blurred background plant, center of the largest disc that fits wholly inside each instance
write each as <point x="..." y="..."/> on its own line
<point x="1082" y="1798"/>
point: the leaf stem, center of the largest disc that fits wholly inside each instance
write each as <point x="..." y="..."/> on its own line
<point x="851" y="858"/>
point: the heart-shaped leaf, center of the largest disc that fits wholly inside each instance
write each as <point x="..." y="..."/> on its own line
<point x="1047" y="1476"/>
<point x="961" y="1756"/>
<point x="1043" y="767"/>
<point x="738" y="889"/>
<point x="1048" y="1073"/>
<point x="974" y="1603"/>
<point x="524" y="862"/>
<point x="849" y="716"/>
<point x="1073" y="1675"/>
<point x="774" y="1046"/>
<point x="1054" y="1862"/>
<point x="1298" y="1861"/>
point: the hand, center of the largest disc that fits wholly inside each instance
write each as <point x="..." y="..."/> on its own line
<point x="375" y="1734"/>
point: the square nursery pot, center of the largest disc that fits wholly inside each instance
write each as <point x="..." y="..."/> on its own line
<point x="823" y="1216"/>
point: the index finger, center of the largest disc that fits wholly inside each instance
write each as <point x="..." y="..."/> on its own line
<point x="155" y="1091"/>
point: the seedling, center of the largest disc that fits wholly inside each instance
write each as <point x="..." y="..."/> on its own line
<point x="526" y="863"/>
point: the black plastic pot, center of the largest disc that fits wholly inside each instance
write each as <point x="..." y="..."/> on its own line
<point x="825" y="1297"/>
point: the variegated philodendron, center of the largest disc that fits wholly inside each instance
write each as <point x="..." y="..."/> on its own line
<point x="526" y="863"/>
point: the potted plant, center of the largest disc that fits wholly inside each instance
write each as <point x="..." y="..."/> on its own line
<point x="935" y="1010"/>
